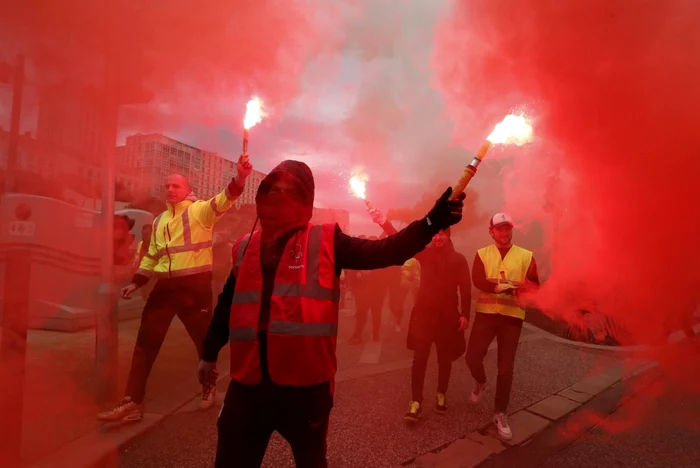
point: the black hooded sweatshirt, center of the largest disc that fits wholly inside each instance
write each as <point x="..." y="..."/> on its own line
<point x="350" y="253"/>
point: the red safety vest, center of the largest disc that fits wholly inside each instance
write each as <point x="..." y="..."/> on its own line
<point x="302" y="331"/>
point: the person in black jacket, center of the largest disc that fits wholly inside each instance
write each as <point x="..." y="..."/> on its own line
<point x="251" y="413"/>
<point x="436" y="317"/>
<point x="370" y="294"/>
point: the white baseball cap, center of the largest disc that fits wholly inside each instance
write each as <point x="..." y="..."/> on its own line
<point x="501" y="218"/>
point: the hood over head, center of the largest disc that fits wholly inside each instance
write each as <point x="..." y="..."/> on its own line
<point x="285" y="198"/>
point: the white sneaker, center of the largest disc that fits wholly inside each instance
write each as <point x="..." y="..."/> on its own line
<point x="208" y="398"/>
<point x="126" y="410"/>
<point x="477" y="392"/>
<point x="501" y="422"/>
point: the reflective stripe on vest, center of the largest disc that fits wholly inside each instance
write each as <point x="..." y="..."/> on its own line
<point x="303" y="329"/>
<point x="243" y="334"/>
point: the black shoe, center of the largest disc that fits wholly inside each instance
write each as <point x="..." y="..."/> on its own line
<point x="414" y="412"/>
<point x="441" y="403"/>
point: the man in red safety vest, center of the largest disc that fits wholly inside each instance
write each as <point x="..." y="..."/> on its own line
<point x="279" y="313"/>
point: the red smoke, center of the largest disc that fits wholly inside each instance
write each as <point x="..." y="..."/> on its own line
<point x="612" y="87"/>
<point x="198" y="59"/>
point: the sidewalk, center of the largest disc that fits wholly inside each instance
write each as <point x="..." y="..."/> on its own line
<point x="367" y="427"/>
<point x="372" y="392"/>
<point x="60" y="385"/>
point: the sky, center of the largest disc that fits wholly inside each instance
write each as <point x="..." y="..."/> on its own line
<point x="366" y="104"/>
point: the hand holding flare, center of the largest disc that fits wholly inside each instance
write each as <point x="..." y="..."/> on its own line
<point x="514" y="129"/>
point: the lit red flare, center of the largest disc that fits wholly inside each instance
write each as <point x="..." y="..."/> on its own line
<point x="253" y="115"/>
<point x="512" y="130"/>
<point x="358" y="186"/>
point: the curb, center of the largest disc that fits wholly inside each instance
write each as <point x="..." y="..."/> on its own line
<point x="674" y="337"/>
<point x="477" y="447"/>
<point x="561" y="434"/>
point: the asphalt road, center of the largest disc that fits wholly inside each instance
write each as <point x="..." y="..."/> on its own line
<point x="367" y="428"/>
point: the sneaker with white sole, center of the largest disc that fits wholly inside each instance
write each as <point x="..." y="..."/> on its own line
<point x="502" y="426"/>
<point x="126" y="410"/>
<point x="208" y="397"/>
<point x="477" y="392"/>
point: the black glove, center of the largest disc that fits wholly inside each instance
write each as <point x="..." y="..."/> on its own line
<point x="446" y="212"/>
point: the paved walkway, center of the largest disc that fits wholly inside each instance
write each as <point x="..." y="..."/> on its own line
<point x="60" y="384"/>
<point x="367" y="427"/>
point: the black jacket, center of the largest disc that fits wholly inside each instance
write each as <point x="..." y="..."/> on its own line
<point x="435" y="316"/>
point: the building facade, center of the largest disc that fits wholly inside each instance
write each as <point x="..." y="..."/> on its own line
<point x="145" y="162"/>
<point x="332" y="215"/>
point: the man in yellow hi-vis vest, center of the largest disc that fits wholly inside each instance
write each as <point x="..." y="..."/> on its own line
<point x="180" y="257"/>
<point x="502" y="272"/>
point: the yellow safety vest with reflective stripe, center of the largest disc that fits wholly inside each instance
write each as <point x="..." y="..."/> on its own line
<point x="182" y="237"/>
<point x="511" y="269"/>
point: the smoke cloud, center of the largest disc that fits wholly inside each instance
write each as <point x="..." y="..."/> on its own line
<point x="612" y="90"/>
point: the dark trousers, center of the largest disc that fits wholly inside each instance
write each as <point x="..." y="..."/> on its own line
<point x="420" y="364"/>
<point x="364" y="304"/>
<point x="251" y="413"/>
<point x="507" y="331"/>
<point x="397" y="299"/>
<point x="191" y="302"/>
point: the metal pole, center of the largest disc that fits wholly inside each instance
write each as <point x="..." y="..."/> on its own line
<point x="17" y="88"/>
<point x="15" y="310"/>
<point x="106" y="343"/>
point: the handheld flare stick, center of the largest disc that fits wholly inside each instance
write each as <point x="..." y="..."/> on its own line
<point x="253" y="116"/>
<point x="514" y="129"/>
<point x="358" y="185"/>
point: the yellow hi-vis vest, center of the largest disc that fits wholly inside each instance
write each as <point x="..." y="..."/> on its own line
<point x="182" y="237"/>
<point x="410" y="273"/>
<point x="511" y="269"/>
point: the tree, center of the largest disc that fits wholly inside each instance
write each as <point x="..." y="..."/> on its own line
<point x="471" y="217"/>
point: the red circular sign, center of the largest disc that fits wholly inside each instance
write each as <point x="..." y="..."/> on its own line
<point x="23" y="211"/>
